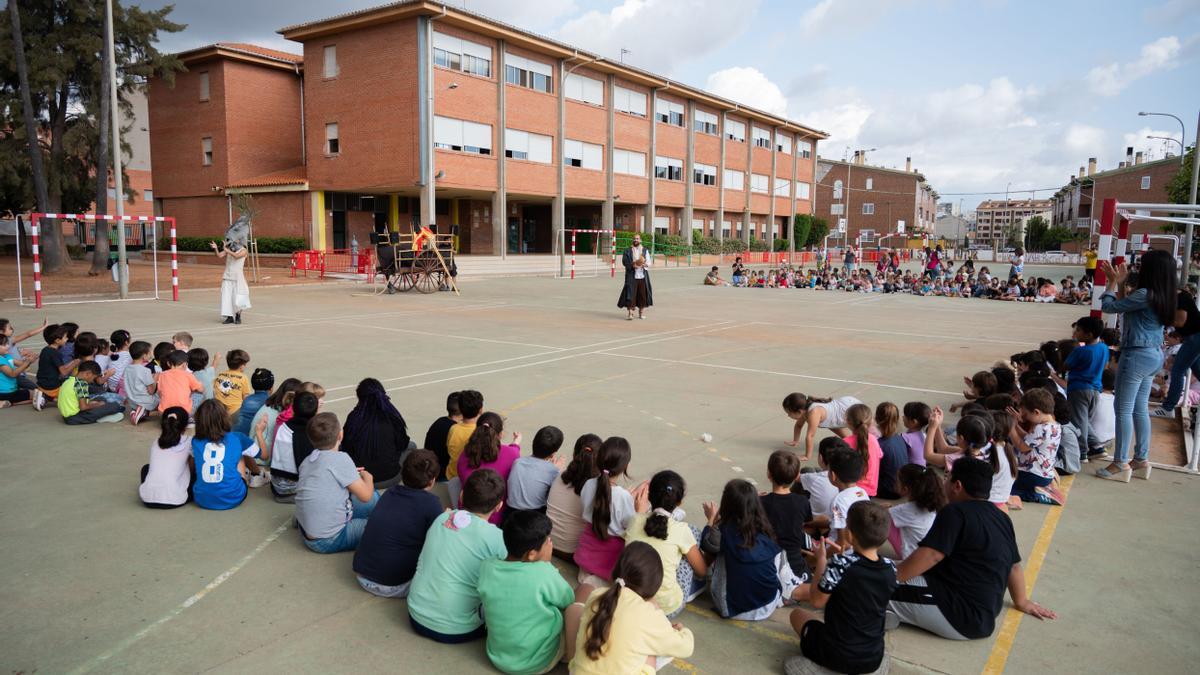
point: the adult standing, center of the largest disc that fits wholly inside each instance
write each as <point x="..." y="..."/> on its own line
<point x="1017" y="264"/>
<point x="637" y="292"/>
<point x="375" y="435"/>
<point x="816" y="413"/>
<point x="1145" y="312"/>
<point x="1089" y="264"/>
<point x="850" y="261"/>
<point x="933" y="262"/>
<point x="1187" y="327"/>
<point x="953" y="584"/>
<point x="235" y="293"/>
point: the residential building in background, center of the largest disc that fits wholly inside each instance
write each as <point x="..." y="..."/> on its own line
<point x="390" y="117"/>
<point x="874" y="200"/>
<point x="1077" y="204"/>
<point x="998" y="220"/>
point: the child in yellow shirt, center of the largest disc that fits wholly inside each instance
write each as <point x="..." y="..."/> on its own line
<point x="232" y="386"/>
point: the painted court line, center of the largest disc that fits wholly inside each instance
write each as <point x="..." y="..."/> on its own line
<point x="212" y="585"/>
<point x="943" y="336"/>
<point x="452" y="336"/>
<point x="1012" y="618"/>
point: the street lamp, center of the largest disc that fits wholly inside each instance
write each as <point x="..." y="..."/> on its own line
<point x="1182" y="150"/>
<point x="1182" y="130"/>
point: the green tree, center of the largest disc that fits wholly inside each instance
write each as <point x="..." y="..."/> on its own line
<point x="1035" y="233"/>
<point x="1180" y="187"/>
<point x="50" y="93"/>
<point x="801" y="225"/>
<point x="817" y="232"/>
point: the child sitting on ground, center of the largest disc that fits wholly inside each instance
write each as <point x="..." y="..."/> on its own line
<point x="530" y="478"/>
<point x="816" y="483"/>
<point x="291" y="447"/>
<point x="916" y="418"/>
<point x="71" y="330"/>
<point x="167" y="479"/>
<point x="160" y="352"/>
<point x="922" y="487"/>
<point x="53" y="367"/>
<point x="1102" y="424"/>
<point x="182" y="341"/>
<point x="262" y="381"/>
<point x="788" y="511"/>
<point x="141" y="389"/>
<point x="75" y="401"/>
<point x="204" y="371"/>
<point x="333" y="497"/>
<point x="854" y="588"/>
<point x="232" y="387"/>
<point x="674" y="540"/>
<point x="893" y="448"/>
<point x="435" y="437"/>
<point x="1004" y="466"/>
<point x="386" y="557"/>
<point x="564" y="506"/>
<point x="845" y="470"/>
<point x="12" y="369"/>
<point x="221" y="458"/>
<point x="267" y="415"/>
<point x="622" y="628"/>
<point x="979" y="386"/>
<point x="119" y="358"/>
<point x="176" y="384"/>
<point x="751" y="577"/>
<point x="607" y="508"/>
<point x="858" y="419"/>
<point x="1036" y="441"/>
<point x="531" y="613"/>
<point x="443" y="602"/>
<point x="484" y="451"/>
<point x="470" y="404"/>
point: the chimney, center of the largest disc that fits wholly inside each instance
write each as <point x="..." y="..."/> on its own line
<point x="1121" y="165"/>
<point x="1091" y="165"/>
<point x="1137" y="159"/>
<point x="1129" y="156"/>
<point x="855" y="159"/>
<point x="1081" y="172"/>
<point x="907" y="164"/>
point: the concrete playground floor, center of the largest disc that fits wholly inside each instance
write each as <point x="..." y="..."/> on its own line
<point x="94" y="582"/>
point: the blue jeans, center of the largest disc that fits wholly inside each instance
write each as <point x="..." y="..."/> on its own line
<point x="1187" y="358"/>
<point x="1026" y="484"/>
<point x="351" y="534"/>
<point x="1135" y="373"/>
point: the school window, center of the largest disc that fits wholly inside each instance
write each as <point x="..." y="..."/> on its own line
<point x="735" y="131"/>
<point x="698" y="224"/>
<point x="704" y="174"/>
<point x="147" y="195"/>
<point x="733" y="180"/>
<point x="329" y="63"/>
<point x="868" y="209"/>
<point x="805" y="149"/>
<point x="783" y="187"/>
<point x="204" y="86"/>
<point x="524" y="145"/>
<point x="668" y="112"/>
<point x="206" y="151"/>
<point x="705" y="123"/>
<point x="725" y="229"/>
<point x="528" y="73"/>
<point x="837" y="209"/>
<point x="668" y="168"/>
<point x="870" y="183"/>
<point x="462" y="55"/>
<point x="801" y="190"/>
<point x="866" y="235"/>
<point x="762" y="137"/>
<point x="332" y="146"/>
<point x="783" y="143"/>
<point x="837" y="189"/>
<point x="585" y="89"/>
<point x="629" y="162"/>
<point x="758" y="182"/>
<point x="629" y="101"/>
<point x="583" y="155"/>
<point x="1145" y="182"/>
<point x="463" y="136"/>
<point x="662" y="224"/>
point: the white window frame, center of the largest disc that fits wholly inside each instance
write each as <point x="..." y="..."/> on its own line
<point x="837" y="209"/>
<point x="761" y="137"/>
<point x="1145" y="182"/>
<point x="206" y="151"/>
<point x="669" y="112"/>
<point x="726" y="228"/>
<point x="868" y="209"/>
<point x="783" y="187"/>
<point x="837" y="189"/>
<point x="870" y="183"/>
<point x="581" y="155"/>
<point x="204" y="85"/>
<point x="147" y="195"/>
<point x="734" y="179"/>
<point x="528" y="146"/>
<point x="462" y="55"/>
<point x="802" y="190"/>
<point x="783" y="143"/>
<point x="333" y="144"/>
<point x="672" y="169"/>
<point x="450" y="133"/>
<point x="662" y="224"/>
<point x="867" y="235"/>
<point x="629" y="101"/>
<point x="805" y="149"/>
<point x="329" y="63"/>
<point x="705" y="123"/>
<point x="704" y="174"/>
<point x="529" y="73"/>
<point x="759" y="183"/>
<point x="584" y="89"/>
<point x="735" y="130"/>
<point x="629" y="162"/>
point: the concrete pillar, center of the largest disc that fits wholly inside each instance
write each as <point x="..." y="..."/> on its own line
<point x="648" y="226"/>
<point x="791" y="219"/>
<point x="607" y="217"/>
<point x="425" y="133"/>
<point x="771" y="186"/>
<point x="689" y="173"/>
<point x="720" y="224"/>
<point x="558" y="217"/>
<point x="318" y="220"/>
<point x="749" y="179"/>
<point x="500" y="198"/>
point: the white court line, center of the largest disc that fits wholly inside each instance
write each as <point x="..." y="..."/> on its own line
<point x="452" y="336"/>
<point x="857" y="301"/>
<point x="776" y="372"/>
<point x="962" y="338"/>
<point x="212" y="585"/>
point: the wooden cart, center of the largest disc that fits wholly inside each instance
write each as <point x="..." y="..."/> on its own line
<point x="423" y="260"/>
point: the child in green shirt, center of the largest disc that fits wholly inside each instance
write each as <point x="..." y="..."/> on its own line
<point x="531" y="613"/>
<point x="75" y="403"/>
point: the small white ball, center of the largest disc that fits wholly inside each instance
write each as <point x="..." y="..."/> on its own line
<point x="707" y="438"/>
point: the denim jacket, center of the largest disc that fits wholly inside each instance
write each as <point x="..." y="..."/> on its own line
<point x="1140" y="326"/>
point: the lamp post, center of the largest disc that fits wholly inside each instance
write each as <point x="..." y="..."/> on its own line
<point x="1182" y="131"/>
<point x="1182" y="150"/>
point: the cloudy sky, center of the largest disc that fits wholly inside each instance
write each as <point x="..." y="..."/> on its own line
<point x="980" y="93"/>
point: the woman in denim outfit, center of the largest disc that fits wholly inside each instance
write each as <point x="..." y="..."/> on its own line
<point x="1144" y="313"/>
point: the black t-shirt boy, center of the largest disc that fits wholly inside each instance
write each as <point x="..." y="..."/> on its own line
<point x="435" y="442"/>
<point x="851" y="638"/>
<point x="788" y="514"/>
<point x="48" y="374"/>
<point x="395" y="533"/>
<point x="980" y="548"/>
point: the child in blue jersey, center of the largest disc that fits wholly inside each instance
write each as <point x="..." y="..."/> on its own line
<point x="220" y="457"/>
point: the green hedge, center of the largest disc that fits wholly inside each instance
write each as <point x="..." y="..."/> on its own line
<point x="265" y="244"/>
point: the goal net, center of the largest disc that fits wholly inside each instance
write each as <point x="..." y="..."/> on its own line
<point x="587" y="253"/>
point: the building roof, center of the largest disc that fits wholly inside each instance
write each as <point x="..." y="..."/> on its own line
<point x="914" y="174"/>
<point x="296" y="175"/>
<point x="1011" y="204"/>
<point x="241" y="51"/>
<point x="462" y="18"/>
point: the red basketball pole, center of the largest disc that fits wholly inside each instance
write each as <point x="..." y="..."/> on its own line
<point x="35" y="219"/>
<point x="1103" y="253"/>
<point x="572" y="254"/>
<point x="174" y="263"/>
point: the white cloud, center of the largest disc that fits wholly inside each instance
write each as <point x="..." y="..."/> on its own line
<point x="1109" y="80"/>
<point x="1083" y="140"/>
<point x="536" y="15"/>
<point x="660" y="33"/>
<point x="749" y="86"/>
<point x="845" y="16"/>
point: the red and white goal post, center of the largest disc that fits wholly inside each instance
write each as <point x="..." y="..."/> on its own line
<point x="593" y="255"/>
<point x="35" y="224"/>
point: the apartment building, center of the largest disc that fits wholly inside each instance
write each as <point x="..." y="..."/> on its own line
<point x="417" y="112"/>
<point x="1077" y="204"/>
<point x="997" y="219"/>
<point x="874" y="200"/>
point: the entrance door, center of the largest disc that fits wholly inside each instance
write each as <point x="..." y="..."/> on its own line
<point x="514" y="235"/>
<point x="339" y="229"/>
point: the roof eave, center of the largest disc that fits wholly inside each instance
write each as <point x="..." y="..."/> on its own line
<point x="218" y="51"/>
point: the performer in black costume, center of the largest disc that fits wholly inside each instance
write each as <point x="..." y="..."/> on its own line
<point x="637" y="292"/>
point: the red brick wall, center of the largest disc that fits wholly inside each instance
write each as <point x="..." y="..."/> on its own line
<point x="263" y="117"/>
<point x="891" y="187"/>
<point x="178" y="121"/>
<point x="281" y="214"/>
<point x="198" y="216"/>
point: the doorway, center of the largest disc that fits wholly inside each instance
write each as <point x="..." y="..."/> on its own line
<point x="530" y="232"/>
<point x="339" y="229"/>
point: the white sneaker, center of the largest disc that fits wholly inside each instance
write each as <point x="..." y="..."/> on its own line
<point x="1162" y="412"/>
<point x="259" y="479"/>
<point x="39" y="399"/>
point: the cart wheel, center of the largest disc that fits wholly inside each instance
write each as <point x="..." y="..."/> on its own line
<point x="406" y="281"/>
<point x="428" y="272"/>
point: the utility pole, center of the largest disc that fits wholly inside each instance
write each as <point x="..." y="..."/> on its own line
<point x="115" y="111"/>
<point x="1187" y="243"/>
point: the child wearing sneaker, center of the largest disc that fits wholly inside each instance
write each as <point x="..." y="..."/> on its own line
<point x="75" y="402"/>
<point x="1036" y="439"/>
<point x="141" y="388"/>
<point x="854" y="588"/>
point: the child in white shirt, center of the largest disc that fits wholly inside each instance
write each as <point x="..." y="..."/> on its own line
<point x="816" y="483"/>
<point x="912" y="519"/>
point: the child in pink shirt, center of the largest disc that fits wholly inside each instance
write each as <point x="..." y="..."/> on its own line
<point x="484" y="451"/>
<point x="858" y="419"/>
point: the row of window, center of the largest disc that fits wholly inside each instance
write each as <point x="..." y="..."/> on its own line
<point x="662" y="225"/>
<point x="868" y="209"/>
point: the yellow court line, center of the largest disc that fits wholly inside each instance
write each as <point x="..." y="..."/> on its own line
<point x="685" y="666"/>
<point x="752" y="626"/>
<point x="1012" y="618"/>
